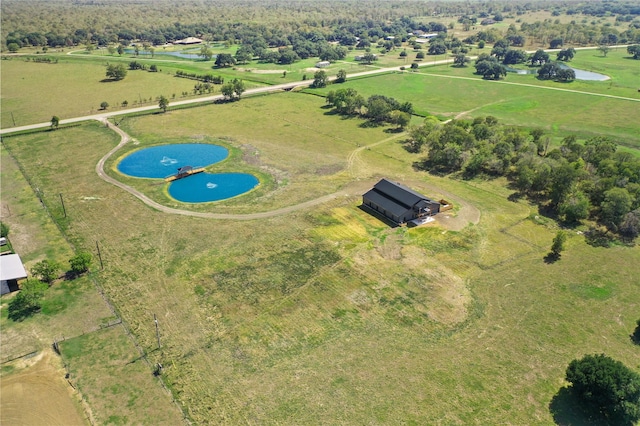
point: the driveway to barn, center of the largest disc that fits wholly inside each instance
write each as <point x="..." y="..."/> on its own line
<point x="466" y="213"/>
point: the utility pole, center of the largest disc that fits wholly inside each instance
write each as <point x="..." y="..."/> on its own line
<point x="99" y="256"/>
<point x="155" y="319"/>
<point x="63" y="208"/>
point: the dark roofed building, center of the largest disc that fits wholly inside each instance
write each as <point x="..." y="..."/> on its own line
<point x="398" y="202"/>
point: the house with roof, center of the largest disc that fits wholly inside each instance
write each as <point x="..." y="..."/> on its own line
<point x="189" y="40"/>
<point x="11" y="270"/>
<point x="398" y="203"/>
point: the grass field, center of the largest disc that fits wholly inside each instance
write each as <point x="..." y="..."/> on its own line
<point x="520" y="99"/>
<point x="33" y="387"/>
<point x="327" y="315"/>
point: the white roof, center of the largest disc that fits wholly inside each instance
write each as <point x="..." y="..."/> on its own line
<point x="11" y="267"/>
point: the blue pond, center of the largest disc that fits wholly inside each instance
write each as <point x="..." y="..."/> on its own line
<point x="204" y="187"/>
<point x="164" y="160"/>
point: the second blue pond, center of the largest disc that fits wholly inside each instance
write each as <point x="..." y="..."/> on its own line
<point x="164" y="160"/>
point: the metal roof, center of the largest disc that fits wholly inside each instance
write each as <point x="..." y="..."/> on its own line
<point x="399" y="192"/>
<point x="11" y="268"/>
<point x="388" y="204"/>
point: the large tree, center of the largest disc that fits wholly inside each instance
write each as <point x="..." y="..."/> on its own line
<point x="233" y="89"/>
<point x="163" y="103"/>
<point x="225" y="60"/>
<point x="607" y="387"/>
<point x="46" y="270"/>
<point x="116" y="71"/>
<point x="55" y="122"/>
<point x="27" y="301"/>
<point x="320" y="79"/>
<point x="634" y="50"/>
<point x="80" y="263"/>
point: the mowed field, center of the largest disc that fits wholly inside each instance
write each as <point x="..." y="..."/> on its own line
<point x="326" y="315"/>
<point x="523" y="100"/>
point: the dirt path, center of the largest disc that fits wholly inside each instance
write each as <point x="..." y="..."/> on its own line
<point x="466" y="213"/>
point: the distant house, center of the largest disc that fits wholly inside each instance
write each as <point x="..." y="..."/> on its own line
<point x="398" y="203"/>
<point x="487" y="21"/>
<point x="188" y="40"/>
<point x="11" y="270"/>
<point x="322" y="64"/>
<point x="428" y="36"/>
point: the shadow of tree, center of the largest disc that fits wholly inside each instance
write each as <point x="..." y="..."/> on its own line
<point x="567" y="410"/>
<point x="551" y="258"/>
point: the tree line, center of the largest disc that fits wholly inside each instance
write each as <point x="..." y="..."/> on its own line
<point x="576" y="181"/>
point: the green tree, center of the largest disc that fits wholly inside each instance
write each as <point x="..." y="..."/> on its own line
<point x="558" y="243"/>
<point x="116" y="71"/>
<point x="634" y="50"/>
<point x="437" y="48"/>
<point x="540" y="57"/>
<point x="104" y="105"/>
<point x="369" y="58"/>
<point x="341" y="76"/>
<point x="399" y="118"/>
<point x="13" y="47"/>
<point x="120" y="49"/>
<point x="574" y="208"/>
<point x="617" y="203"/>
<point x="224" y="60"/>
<point x="566" y="54"/>
<point x="111" y="49"/>
<point x="205" y="52"/>
<point x="46" y="270"/>
<point x="55" y="122"/>
<point x="320" y="79"/>
<point x="606" y="387"/>
<point x="630" y="226"/>
<point x="27" y="301"/>
<point x="4" y="230"/>
<point x="461" y="60"/>
<point x="233" y="89"/>
<point x="604" y="49"/>
<point x="80" y="263"/>
<point x="163" y="103"/>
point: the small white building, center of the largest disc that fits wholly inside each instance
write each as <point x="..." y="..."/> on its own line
<point x="322" y="64"/>
<point x="189" y="40"/>
<point x="11" y="270"/>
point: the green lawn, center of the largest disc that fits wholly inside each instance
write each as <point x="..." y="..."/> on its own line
<point x="520" y="100"/>
<point x="326" y="315"/>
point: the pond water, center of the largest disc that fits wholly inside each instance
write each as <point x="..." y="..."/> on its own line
<point x="164" y="160"/>
<point x="580" y="74"/>
<point x="586" y="75"/>
<point x="206" y="187"/>
<point x="159" y="162"/>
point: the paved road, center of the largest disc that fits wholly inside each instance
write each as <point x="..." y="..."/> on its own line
<point x="266" y="89"/>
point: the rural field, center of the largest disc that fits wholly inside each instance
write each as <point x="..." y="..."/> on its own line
<point x="291" y="304"/>
<point x="284" y="318"/>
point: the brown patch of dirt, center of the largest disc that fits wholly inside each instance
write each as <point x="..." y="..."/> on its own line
<point x="38" y="394"/>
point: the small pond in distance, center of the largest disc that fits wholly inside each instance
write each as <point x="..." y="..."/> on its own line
<point x="580" y="74"/>
<point x="159" y="162"/>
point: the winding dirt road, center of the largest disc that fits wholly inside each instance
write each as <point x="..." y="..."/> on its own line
<point x="467" y="213"/>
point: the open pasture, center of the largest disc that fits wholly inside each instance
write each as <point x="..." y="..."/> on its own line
<point x="327" y="315"/>
<point x="519" y="100"/>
